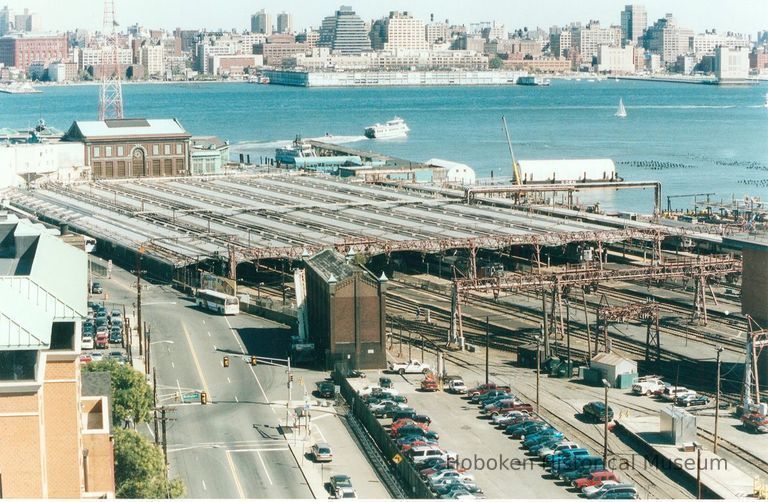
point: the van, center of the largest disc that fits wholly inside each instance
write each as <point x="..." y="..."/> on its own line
<point x="672" y="392"/>
<point x="420" y="454"/>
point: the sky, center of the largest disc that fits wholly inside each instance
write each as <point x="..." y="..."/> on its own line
<point x="744" y="16"/>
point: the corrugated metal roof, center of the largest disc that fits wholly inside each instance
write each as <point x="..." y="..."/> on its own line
<point x="129" y="127"/>
<point x="330" y="263"/>
<point x="610" y="359"/>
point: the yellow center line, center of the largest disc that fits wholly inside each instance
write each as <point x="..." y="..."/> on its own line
<point x="234" y="475"/>
<point x="197" y="363"/>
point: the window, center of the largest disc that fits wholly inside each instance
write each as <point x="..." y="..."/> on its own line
<point x="121" y="169"/>
<point x="97" y="170"/>
<point x="155" y="168"/>
<point x="18" y="365"/>
<point x="168" y="167"/>
<point x="96" y="152"/>
<point x="63" y="336"/>
<point x="166" y="149"/>
<point x="179" y="149"/>
<point x="110" y="170"/>
<point x="120" y="151"/>
<point x="107" y="151"/>
<point x="155" y="149"/>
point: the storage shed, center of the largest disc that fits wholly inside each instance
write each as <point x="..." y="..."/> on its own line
<point x="612" y="366"/>
<point x="677" y="426"/>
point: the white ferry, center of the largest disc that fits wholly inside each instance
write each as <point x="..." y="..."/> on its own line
<point x="395" y="128"/>
<point x="297" y="149"/>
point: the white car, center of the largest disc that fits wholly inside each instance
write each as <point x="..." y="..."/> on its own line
<point x="645" y="386"/>
<point x="368" y="389"/>
<point x="87" y="342"/>
<point x="591" y="490"/>
<point x="564" y="445"/>
<point x="449" y="474"/>
<point x="504" y="417"/>
<point x="383" y="404"/>
<point x="412" y="366"/>
<point x="97" y="356"/>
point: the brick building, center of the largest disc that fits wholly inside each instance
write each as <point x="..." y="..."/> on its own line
<point x="48" y="431"/>
<point x="22" y="49"/>
<point x="346" y="311"/>
<point x="131" y="148"/>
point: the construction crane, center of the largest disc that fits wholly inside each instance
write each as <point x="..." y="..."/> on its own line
<point x="515" y="165"/>
<point x="111" y="95"/>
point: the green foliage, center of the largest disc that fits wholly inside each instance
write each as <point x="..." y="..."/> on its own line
<point x="131" y="394"/>
<point x="140" y="470"/>
<point x="496" y="63"/>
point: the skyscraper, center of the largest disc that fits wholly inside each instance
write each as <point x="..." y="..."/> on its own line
<point x="285" y="23"/>
<point x="634" y="20"/>
<point x="344" y="32"/>
<point x="6" y="20"/>
<point x="261" y="22"/>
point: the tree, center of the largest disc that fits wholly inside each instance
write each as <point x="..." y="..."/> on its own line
<point x="140" y="469"/>
<point x="131" y="394"/>
<point x="496" y="63"/>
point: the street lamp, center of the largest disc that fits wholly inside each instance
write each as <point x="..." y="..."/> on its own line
<point x="606" y="385"/>
<point x="717" y="397"/>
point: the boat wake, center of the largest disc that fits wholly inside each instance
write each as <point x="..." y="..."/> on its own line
<point x="267" y="145"/>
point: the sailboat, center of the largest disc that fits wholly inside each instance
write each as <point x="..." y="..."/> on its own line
<point x="621" y="112"/>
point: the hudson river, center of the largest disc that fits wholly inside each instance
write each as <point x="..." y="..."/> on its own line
<point x="692" y="138"/>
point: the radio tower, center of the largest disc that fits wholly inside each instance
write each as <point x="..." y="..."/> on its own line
<point x="111" y="97"/>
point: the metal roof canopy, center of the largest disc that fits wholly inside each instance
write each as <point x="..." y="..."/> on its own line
<point x="286" y="215"/>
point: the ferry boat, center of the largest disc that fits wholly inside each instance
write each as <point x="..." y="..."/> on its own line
<point x="297" y="149"/>
<point x="395" y="128"/>
<point x="621" y="112"/>
<point x="530" y="80"/>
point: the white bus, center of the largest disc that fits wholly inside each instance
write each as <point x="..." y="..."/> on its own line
<point x="218" y="302"/>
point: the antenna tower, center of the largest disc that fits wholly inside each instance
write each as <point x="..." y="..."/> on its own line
<point x="111" y="96"/>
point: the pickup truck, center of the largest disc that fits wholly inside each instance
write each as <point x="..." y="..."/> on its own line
<point x="412" y="366"/>
<point x="456" y="385"/>
<point x="646" y="386"/>
<point x="486" y="388"/>
<point x="429" y="384"/>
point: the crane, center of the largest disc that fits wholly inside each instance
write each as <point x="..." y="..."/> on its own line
<point x="515" y="165"/>
<point x="757" y="339"/>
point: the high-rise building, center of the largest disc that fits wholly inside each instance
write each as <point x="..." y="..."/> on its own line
<point x="399" y="30"/>
<point x="634" y="21"/>
<point x="344" y="32"/>
<point x="731" y="64"/>
<point x="6" y="20"/>
<point x="588" y="39"/>
<point x="668" y="39"/>
<point x="560" y="42"/>
<point x="152" y="57"/>
<point x="22" y="49"/>
<point x="29" y="22"/>
<point x="285" y="23"/>
<point x="261" y="22"/>
<point x="438" y="32"/>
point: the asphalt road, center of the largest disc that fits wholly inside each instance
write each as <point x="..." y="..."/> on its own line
<point x="231" y="447"/>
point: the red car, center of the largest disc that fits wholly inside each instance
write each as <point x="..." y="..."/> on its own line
<point x="514" y="407"/>
<point x="595" y="478"/>
<point x="85" y="358"/>
<point x="484" y="388"/>
<point x="429" y="384"/>
<point x="403" y="422"/>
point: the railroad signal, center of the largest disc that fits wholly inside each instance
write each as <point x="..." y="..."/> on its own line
<point x="254" y="361"/>
<point x="226" y="361"/>
<point x="203" y="398"/>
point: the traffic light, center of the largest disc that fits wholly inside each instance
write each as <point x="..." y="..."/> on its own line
<point x="226" y="361"/>
<point x="253" y="361"/>
<point x="203" y="398"/>
<point x="290" y="377"/>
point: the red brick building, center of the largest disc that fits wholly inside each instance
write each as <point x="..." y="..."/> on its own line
<point x="21" y="49"/>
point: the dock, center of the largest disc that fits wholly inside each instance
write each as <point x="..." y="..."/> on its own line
<point x="322" y="148"/>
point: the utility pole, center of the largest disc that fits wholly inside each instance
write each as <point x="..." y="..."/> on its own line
<point x="147" y="334"/>
<point x="568" y="337"/>
<point x="154" y="397"/>
<point x="717" y="399"/>
<point x="290" y="385"/>
<point x="165" y="439"/>
<point x="605" y="429"/>
<point x="538" y="368"/>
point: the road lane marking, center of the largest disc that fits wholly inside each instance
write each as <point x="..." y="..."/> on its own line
<point x="197" y="363"/>
<point x="242" y="350"/>
<point x="204" y="487"/>
<point x="234" y="334"/>
<point x="144" y="304"/>
<point x="178" y="386"/>
<point x="319" y="432"/>
<point x="150" y="432"/>
<point x="173" y="365"/>
<point x="209" y="333"/>
<point x="236" y="399"/>
<point x="234" y="474"/>
<point x="228" y="380"/>
<point x="258" y="454"/>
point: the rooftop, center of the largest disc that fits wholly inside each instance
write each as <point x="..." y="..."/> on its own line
<point x="120" y="128"/>
<point x="331" y="265"/>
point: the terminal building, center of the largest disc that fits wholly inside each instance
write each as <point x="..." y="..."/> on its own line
<point x="54" y="443"/>
<point x="133" y="148"/>
<point x="346" y="312"/>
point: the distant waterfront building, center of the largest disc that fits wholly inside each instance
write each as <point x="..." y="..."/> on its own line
<point x="587" y="39"/>
<point x="153" y="60"/>
<point x="634" y="21"/>
<point x="438" y="32"/>
<point x="560" y="42"/>
<point x="731" y="65"/>
<point x="403" y="59"/>
<point x="706" y="43"/>
<point x="261" y="22"/>
<point x="21" y="49"/>
<point x="668" y="39"/>
<point x="55" y="441"/>
<point x="495" y="31"/>
<point x="133" y="148"/>
<point x="27" y="22"/>
<point x="309" y="37"/>
<point x="758" y="60"/>
<point x="6" y="21"/>
<point x="285" y="23"/>
<point x="616" y="59"/>
<point x="685" y="64"/>
<point x="233" y="65"/>
<point x="274" y="54"/>
<point x="204" y="50"/>
<point x="344" y="32"/>
<point x="399" y="30"/>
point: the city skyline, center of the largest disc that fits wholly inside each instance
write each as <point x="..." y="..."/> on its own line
<point x="744" y="16"/>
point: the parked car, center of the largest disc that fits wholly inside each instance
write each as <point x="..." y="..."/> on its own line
<point x="455" y="385"/>
<point x="429" y="384"/>
<point x="596" y="411"/>
<point x="116" y="336"/>
<point x="561" y="447"/>
<point x="581" y="467"/>
<point x="341" y="486"/>
<point x="494" y="394"/>
<point x="326" y="390"/>
<point x="589" y="491"/>
<point x="117" y="356"/>
<point x="422" y="419"/>
<point x="400" y="414"/>
<point x="565" y="456"/>
<point x="97" y="356"/>
<point x="648" y="385"/>
<point x="115" y="314"/>
<point x="692" y="400"/>
<point x="485" y="388"/>
<point x="522" y="425"/>
<point x="353" y="374"/>
<point x="596" y="478"/>
<point x="672" y="392"/>
<point x="85" y="358"/>
<point x="453" y="485"/>
<point x="385" y="382"/>
<point x="549" y="444"/>
<point x="620" y="491"/>
<point x="102" y="340"/>
<point x="87" y="342"/>
<point x="321" y="452"/>
<point x="420" y="454"/>
<point x="447" y="475"/>
<point x="96" y="288"/>
<point x="543" y="436"/>
<point x="412" y="366"/>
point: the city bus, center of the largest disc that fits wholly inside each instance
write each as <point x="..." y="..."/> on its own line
<point x="217" y="302"/>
